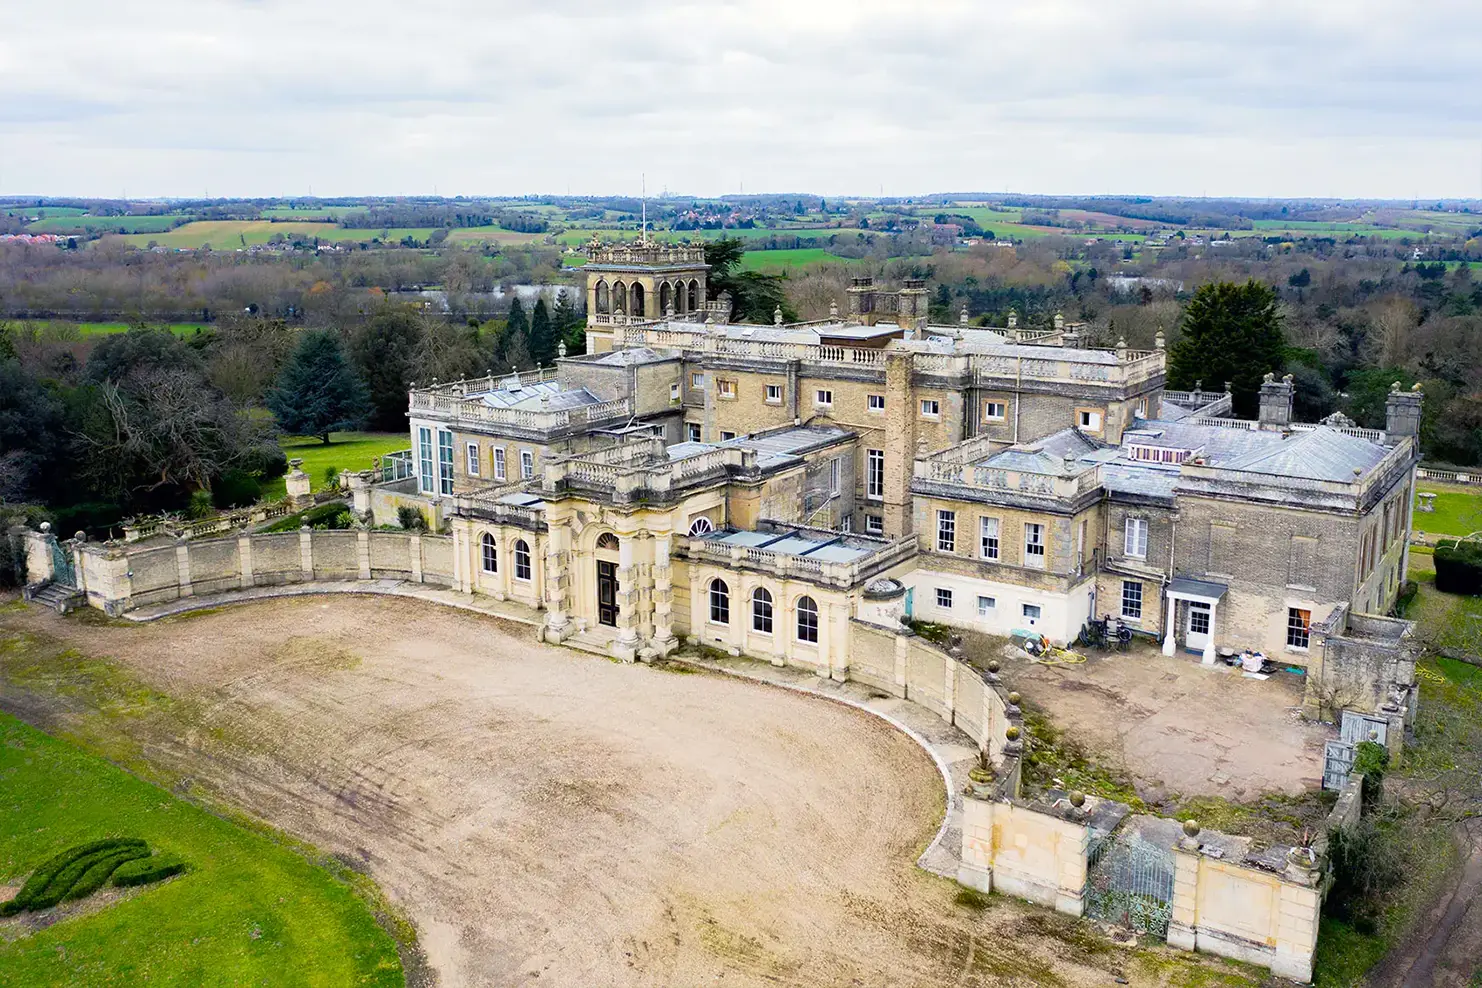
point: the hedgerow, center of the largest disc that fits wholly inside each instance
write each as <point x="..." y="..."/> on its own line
<point x="50" y="873"/>
<point x="78" y="872"/>
<point x="142" y="871"/>
<point x="102" y="869"/>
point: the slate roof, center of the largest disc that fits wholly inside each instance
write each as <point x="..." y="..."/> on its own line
<point x="1047" y="455"/>
<point x="535" y="397"/>
<point x="772" y="448"/>
<point x="1321" y="454"/>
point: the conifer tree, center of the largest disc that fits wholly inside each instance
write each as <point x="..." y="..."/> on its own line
<point x="1230" y="333"/>
<point x="542" y="334"/>
<point x="318" y="393"/>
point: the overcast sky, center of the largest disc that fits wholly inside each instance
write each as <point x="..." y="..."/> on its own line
<point x="502" y="97"/>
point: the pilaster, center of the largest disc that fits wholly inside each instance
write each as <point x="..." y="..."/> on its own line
<point x="306" y="553"/>
<point x="182" y="565"/>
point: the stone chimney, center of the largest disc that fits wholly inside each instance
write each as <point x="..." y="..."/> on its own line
<point x="911" y="312"/>
<point x="861" y="298"/>
<point x="1276" y="402"/>
<point x="1402" y="414"/>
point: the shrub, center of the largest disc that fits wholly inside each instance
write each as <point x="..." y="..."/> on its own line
<point x="334" y="515"/>
<point x="142" y="871"/>
<point x="266" y="461"/>
<point x="101" y="870"/>
<point x="200" y="505"/>
<point x="1365" y="865"/>
<point x="1371" y="758"/>
<point x="236" y="489"/>
<point x="1459" y="568"/>
<point x="411" y="519"/>
<point x="70" y="873"/>
<point x="48" y="872"/>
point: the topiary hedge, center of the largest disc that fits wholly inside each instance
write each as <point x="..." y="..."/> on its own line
<point x="1459" y="568"/>
<point x="78" y="872"/>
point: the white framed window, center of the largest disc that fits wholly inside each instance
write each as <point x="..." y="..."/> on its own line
<point x="823" y="398"/>
<point x="498" y="462"/>
<point x="944" y="598"/>
<point x="875" y="403"/>
<point x="1034" y="545"/>
<point x="473" y="459"/>
<point x="1198" y="618"/>
<point x="697" y="381"/>
<point x="986" y="606"/>
<point x="1135" y="538"/>
<point x="1132" y="600"/>
<point x="490" y="553"/>
<point x="726" y="436"/>
<point x="522" y="560"/>
<point x="994" y="411"/>
<point x="946" y="530"/>
<point x="874" y="524"/>
<point x="807" y="620"/>
<point x="774" y="394"/>
<point x="725" y="388"/>
<point x="1031" y="613"/>
<point x="674" y="392"/>
<point x="693" y="429"/>
<point x="1142" y="408"/>
<point x="930" y="408"/>
<point x="761" y="611"/>
<point x="835" y="474"/>
<point x="720" y="602"/>
<point x="424" y="460"/>
<point x="527" y="464"/>
<point x="988" y="538"/>
<point x="1298" y="628"/>
<point x="875" y="473"/>
<point x="444" y="461"/>
<point x="1089" y="420"/>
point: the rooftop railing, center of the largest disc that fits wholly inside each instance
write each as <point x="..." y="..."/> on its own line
<point x="472" y="412"/>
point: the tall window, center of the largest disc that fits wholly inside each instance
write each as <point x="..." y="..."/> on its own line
<point x="835" y="470"/>
<point x="761" y="611"/>
<point x="444" y="461"/>
<point x="527" y="464"/>
<point x="522" y="560"/>
<point x="1135" y="538"/>
<point x="946" y="530"/>
<point x="875" y="473"/>
<point x="807" y="620"/>
<point x="1298" y="627"/>
<point x="989" y="537"/>
<point x="874" y="524"/>
<point x="693" y="430"/>
<point x="1034" y="545"/>
<point x="491" y="554"/>
<point x="498" y="462"/>
<point x="1132" y="599"/>
<point x="424" y="460"/>
<point x="720" y="602"/>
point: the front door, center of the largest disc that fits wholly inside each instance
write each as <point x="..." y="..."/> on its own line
<point x="1196" y="631"/>
<point x="607" y="593"/>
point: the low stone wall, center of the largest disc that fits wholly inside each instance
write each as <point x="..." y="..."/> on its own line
<point x="119" y="577"/>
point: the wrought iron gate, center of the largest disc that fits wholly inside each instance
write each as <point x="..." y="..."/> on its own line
<point x="61" y="564"/>
<point x="1130" y="882"/>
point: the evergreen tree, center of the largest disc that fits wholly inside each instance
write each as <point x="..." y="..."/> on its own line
<point x="542" y="334"/>
<point x="571" y="328"/>
<point x="754" y="296"/>
<point x="517" y="351"/>
<point x="517" y="324"/>
<point x="318" y="392"/>
<point x="383" y="352"/>
<point x="1230" y="333"/>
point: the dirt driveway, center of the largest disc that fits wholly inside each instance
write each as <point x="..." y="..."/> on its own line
<point x="1178" y="727"/>
<point x="549" y="817"/>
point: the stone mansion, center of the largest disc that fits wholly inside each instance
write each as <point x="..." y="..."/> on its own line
<point x="759" y="488"/>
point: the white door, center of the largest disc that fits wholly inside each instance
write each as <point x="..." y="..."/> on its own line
<point x="1196" y="631"/>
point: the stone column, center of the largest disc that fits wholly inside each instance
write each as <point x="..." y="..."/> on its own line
<point x="1296" y="929"/>
<point x="976" y="868"/>
<point x="298" y="484"/>
<point x="902" y="666"/>
<point x="557" y="582"/>
<point x="306" y="553"/>
<point x="414" y="550"/>
<point x="698" y="604"/>
<point x="362" y="553"/>
<point x="838" y="659"/>
<point x="1170" y="637"/>
<point x="1183" y="924"/>
<point x="182" y="565"/>
<point x="664" y="641"/>
<point x="244" y="559"/>
<point x="1208" y="658"/>
<point x="626" y="645"/>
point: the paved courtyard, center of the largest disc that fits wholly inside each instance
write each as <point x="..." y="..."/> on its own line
<point x="551" y="817"/>
<point x="1178" y="727"/>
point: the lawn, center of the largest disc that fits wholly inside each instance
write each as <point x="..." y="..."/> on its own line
<point x="113" y="328"/>
<point x="248" y="911"/>
<point x="1458" y="510"/>
<point x="346" y="451"/>
<point x="784" y="260"/>
<point x="83" y="225"/>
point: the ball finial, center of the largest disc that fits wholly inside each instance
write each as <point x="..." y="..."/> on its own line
<point x="1014" y="699"/>
<point x="993" y="666"/>
<point x="1191" y="828"/>
<point x="1012" y="733"/>
<point x="1077" y="798"/>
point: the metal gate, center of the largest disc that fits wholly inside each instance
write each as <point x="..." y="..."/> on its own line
<point x="1337" y="763"/>
<point x="61" y="564"/>
<point x="1130" y="882"/>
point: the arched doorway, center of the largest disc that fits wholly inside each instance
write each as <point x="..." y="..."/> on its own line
<point x="604" y="304"/>
<point x="694" y="296"/>
<point x="666" y="299"/>
<point x="637" y="308"/>
<point x="606" y="553"/>
<point x="619" y="298"/>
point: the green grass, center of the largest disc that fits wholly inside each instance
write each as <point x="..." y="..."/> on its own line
<point x="784" y="260"/>
<point x="231" y="234"/>
<point x="346" y="451"/>
<point x="99" y="225"/>
<point x="1344" y="955"/>
<point x="332" y="214"/>
<point x="1458" y="510"/>
<point x="64" y="329"/>
<point x="249" y="910"/>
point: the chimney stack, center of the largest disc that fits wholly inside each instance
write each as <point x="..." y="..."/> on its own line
<point x="1402" y="414"/>
<point x="1276" y="403"/>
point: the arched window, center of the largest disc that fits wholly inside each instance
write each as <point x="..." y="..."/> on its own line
<point x="701" y="526"/>
<point x="807" y="620"/>
<point x="761" y="611"/>
<point x="491" y="554"/>
<point x="522" y="560"/>
<point x="694" y="296"/>
<point x="619" y="298"/>
<point x="607" y="541"/>
<point x="666" y="298"/>
<point x="637" y="309"/>
<point x="604" y="303"/>
<point x="679" y="295"/>
<point x="720" y="602"/>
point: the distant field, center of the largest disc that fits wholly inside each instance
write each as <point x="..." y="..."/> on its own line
<point x="49" y="211"/>
<point x="112" y="328"/>
<point x="577" y="237"/>
<point x="487" y="234"/>
<point x="231" y="234"/>
<point x="332" y="213"/>
<point x="83" y="225"/>
<point x="784" y="260"/>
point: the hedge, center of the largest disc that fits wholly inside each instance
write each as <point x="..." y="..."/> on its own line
<point x="142" y="871"/>
<point x="102" y="869"/>
<point x="78" y="872"/>
<point x="1459" y="568"/>
<point x="51" y="871"/>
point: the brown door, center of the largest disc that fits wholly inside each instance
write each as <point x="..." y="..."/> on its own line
<point x="607" y="593"/>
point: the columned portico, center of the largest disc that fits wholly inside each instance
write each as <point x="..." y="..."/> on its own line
<point x="1201" y="600"/>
